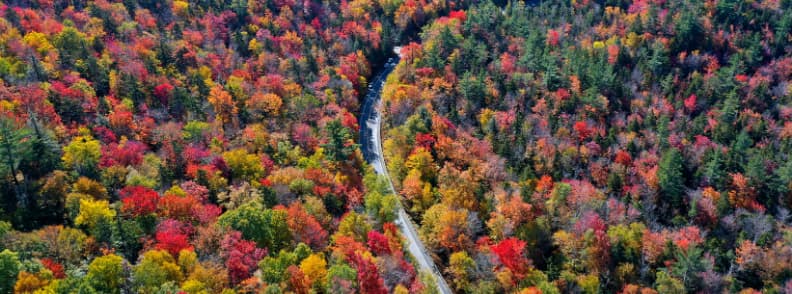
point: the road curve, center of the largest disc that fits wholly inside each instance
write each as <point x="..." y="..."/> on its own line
<point x="371" y="144"/>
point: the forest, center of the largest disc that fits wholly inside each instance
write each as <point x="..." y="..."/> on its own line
<point x="213" y="146"/>
<point x="600" y="146"/>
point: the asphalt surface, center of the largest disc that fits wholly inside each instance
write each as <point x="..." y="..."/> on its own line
<point x="371" y="145"/>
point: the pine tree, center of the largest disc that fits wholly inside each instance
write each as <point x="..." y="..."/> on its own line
<point x="339" y="146"/>
<point x="671" y="178"/>
<point x="14" y="149"/>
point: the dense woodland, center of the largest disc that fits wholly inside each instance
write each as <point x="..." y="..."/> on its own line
<point x="600" y="146"/>
<point x="551" y="146"/>
<point x="196" y="147"/>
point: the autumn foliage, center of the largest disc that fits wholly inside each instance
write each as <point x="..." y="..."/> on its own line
<point x="540" y="146"/>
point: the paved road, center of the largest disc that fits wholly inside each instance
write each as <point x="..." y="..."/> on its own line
<point x="371" y="145"/>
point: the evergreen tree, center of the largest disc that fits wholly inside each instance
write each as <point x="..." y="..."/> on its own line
<point x="14" y="149"/>
<point x="671" y="180"/>
<point x="339" y="146"/>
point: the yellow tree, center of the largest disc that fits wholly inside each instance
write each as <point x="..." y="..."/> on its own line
<point x="106" y="273"/>
<point x="457" y="187"/>
<point x="261" y="104"/>
<point x="353" y="225"/>
<point x="29" y="283"/>
<point x="212" y="276"/>
<point x="93" y="211"/>
<point x="422" y="161"/>
<point x="446" y="227"/>
<point x="244" y="165"/>
<point x="38" y="41"/>
<point x="223" y="104"/>
<point x="156" y="268"/>
<point x="461" y="268"/>
<point x="315" y="268"/>
<point x="90" y="187"/>
<point x="419" y="193"/>
<point x="82" y="154"/>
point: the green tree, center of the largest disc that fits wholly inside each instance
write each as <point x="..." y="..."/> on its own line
<point x="473" y="89"/>
<point x="194" y="131"/>
<point x="382" y="207"/>
<point x="626" y="241"/>
<point x="273" y="268"/>
<point x="781" y="181"/>
<point x="667" y="284"/>
<point x="713" y="171"/>
<point x="5" y="228"/>
<point x="339" y="146"/>
<point x="99" y="75"/>
<point x="44" y="146"/>
<point x="689" y="31"/>
<point x="14" y="147"/>
<point x="658" y="60"/>
<point x="266" y="227"/>
<point x="9" y="269"/>
<point x="688" y="265"/>
<point x="354" y="225"/>
<point x="671" y="178"/>
<point x="71" y="46"/>
<point x="338" y="273"/>
<point x="461" y="268"/>
<point x="663" y="131"/>
<point x="70" y="285"/>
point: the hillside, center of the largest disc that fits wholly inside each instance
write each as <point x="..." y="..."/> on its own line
<point x="608" y="146"/>
<point x="198" y="147"/>
<point x="600" y="146"/>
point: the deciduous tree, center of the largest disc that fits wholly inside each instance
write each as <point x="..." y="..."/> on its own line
<point x="156" y="268"/>
<point x="82" y="155"/>
<point x="267" y="227"/>
<point x="315" y="269"/>
<point x="106" y="273"/>
<point x="9" y="269"/>
<point x="92" y="212"/>
<point x="139" y="201"/>
<point x="242" y="256"/>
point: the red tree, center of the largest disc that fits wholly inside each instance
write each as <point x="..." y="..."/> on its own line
<point x="623" y="158"/>
<point x="104" y="134"/>
<point x="349" y="121"/>
<point x="163" y="92"/>
<point x="55" y="267"/>
<point x="562" y="94"/>
<point x="305" y="228"/>
<point x="297" y="280"/>
<point x="426" y="141"/>
<point x="508" y="62"/>
<point x="378" y="243"/>
<point x="178" y="207"/>
<point x="139" y="200"/>
<point x="510" y="254"/>
<point x="173" y="236"/>
<point x="242" y="256"/>
<point x="583" y="131"/>
<point x="369" y="279"/>
<point x="458" y="14"/>
<point x="303" y="135"/>
<point x="552" y="38"/>
<point x="690" y="103"/>
<point x="129" y="153"/>
<point x="207" y="213"/>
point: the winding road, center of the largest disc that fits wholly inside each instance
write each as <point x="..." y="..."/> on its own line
<point x="371" y="145"/>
